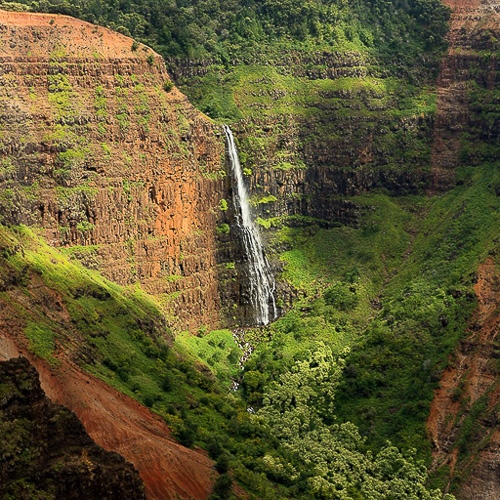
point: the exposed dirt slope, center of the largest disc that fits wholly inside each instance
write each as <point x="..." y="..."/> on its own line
<point x="118" y="423"/>
<point x="46" y="451"/>
<point x="464" y="423"/>
<point x="78" y="38"/>
<point x="464" y="420"/>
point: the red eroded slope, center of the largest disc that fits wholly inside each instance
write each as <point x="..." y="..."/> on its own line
<point x="471" y="379"/>
<point x="118" y="423"/>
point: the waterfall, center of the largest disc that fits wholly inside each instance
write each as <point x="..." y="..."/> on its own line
<point x="260" y="277"/>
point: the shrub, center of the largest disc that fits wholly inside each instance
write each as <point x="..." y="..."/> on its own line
<point x="168" y="86"/>
<point x="222" y="487"/>
<point x="341" y="296"/>
<point x="185" y="436"/>
<point x="222" y="464"/>
<point x="166" y="384"/>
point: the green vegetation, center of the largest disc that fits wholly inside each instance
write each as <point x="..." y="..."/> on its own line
<point x="216" y="349"/>
<point x="168" y="86"/>
<point x="223" y="32"/>
<point x="41" y="341"/>
<point x="123" y="340"/>
<point x="337" y="99"/>
<point x="298" y="409"/>
<point x="402" y="279"/>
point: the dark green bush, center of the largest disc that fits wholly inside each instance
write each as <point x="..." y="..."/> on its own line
<point x="222" y="488"/>
<point x="342" y="296"/>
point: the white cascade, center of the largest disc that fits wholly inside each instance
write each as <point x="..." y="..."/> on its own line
<point x="260" y="277"/>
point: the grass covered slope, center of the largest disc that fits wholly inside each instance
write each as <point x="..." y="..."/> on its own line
<point x="397" y="290"/>
<point x="64" y="313"/>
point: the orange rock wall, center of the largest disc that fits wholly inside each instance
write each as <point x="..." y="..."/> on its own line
<point x="117" y="169"/>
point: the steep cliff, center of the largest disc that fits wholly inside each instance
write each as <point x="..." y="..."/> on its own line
<point x="99" y="149"/>
<point x="112" y="166"/>
<point x="463" y="422"/>
<point x="468" y="72"/>
<point x="46" y="452"/>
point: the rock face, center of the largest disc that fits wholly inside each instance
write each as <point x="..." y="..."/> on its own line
<point x="46" y="451"/>
<point x="468" y="64"/>
<point x="464" y="422"/>
<point x="113" y="162"/>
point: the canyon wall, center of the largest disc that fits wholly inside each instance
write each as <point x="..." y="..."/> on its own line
<point x="313" y="133"/>
<point x="463" y="423"/>
<point x="468" y="70"/>
<point x="109" y="160"/>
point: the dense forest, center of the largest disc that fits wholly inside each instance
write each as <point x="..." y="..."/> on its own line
<point x="228" y="32"/>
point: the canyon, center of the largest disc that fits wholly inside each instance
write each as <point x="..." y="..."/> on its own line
<point x="104" y="159"/>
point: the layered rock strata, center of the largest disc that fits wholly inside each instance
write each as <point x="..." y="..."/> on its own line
<point x="463" y="424"/>
<point x="469" y="64"/>
<point x="102" y="152"/>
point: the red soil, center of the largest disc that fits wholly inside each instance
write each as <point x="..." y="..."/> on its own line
<point x="118" y="423"/>
<point x="469" y="377"/>
<point x="72" y="36"/>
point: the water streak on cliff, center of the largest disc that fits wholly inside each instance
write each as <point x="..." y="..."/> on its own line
<point x="260" y="277"/>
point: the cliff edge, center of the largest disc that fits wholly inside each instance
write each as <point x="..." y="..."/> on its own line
<point x="101" y="150"/>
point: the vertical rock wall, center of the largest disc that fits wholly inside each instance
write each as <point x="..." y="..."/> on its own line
<point x="470" y="63"/>
<point x="110" y="161"/>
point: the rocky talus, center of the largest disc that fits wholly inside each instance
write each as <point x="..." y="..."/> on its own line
<point x="45" y="451"/>
<point x="102" y="152"/>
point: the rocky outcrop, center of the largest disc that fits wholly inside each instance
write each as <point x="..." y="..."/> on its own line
<point x="45" y="450"/>
<point x="463" y="424"/>
<point x="113" y="162"/>
<point x="314" y="65"/>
